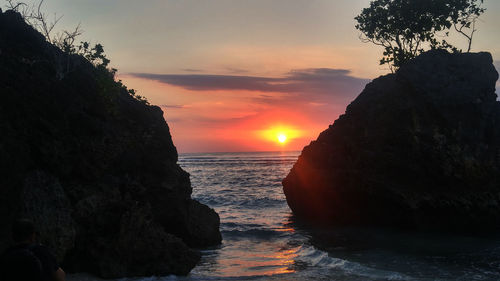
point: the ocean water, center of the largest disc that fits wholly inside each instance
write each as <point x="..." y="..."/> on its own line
<point x="263" y="241"/>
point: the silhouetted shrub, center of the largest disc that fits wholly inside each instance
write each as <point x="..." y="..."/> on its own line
<point x="406" y="28"/>
<point x="66" y="41"/>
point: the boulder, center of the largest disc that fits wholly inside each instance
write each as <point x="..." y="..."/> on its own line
<point x="93" y="166"/>
<point x="417" y="149"/>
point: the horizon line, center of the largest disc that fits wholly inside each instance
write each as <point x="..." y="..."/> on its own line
<point x="263" y="151"/>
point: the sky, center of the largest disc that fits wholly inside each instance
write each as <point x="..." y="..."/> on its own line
<point x="232" y="75"/>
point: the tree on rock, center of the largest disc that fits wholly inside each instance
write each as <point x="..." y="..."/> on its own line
<point x="406" y="28"/>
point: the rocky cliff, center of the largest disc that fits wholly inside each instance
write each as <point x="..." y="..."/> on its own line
<point x="416" y="149"/>
<point x="94" y="167"/>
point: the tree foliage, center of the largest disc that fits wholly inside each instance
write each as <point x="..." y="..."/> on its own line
<point x="66" y="41"/>
<point x="32" y="13"/>
<point x="405" y="28"/>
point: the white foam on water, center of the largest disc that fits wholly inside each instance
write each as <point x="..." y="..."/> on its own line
<point x="318" y="258"/>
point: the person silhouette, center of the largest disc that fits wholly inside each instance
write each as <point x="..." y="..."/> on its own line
<point x="27" y="259"/>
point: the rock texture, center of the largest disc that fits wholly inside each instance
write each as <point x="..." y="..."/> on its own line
<point x="418" y="149"/>
<point x="94" y="167"/>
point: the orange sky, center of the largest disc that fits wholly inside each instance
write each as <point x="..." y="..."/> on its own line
<point x="248" y="115"/>
<point x="229" y="74"/>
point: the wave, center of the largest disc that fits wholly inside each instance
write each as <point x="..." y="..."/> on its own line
<point x="314" y="257"/>
<point x="243" y="158"/>
<point x="253" y="234"/>
<point x="246" y="162"/>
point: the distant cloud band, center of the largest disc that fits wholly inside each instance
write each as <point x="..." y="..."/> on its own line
<point x="324" y="81"/>
<point x="171" y="106"/>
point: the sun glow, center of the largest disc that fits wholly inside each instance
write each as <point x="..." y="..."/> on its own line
<point x="281" y="138"/>
<point x="280" y="134"/>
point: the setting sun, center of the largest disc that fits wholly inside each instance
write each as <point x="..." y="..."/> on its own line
<point x="281" y="138"/>
<point x="280" y="135"/>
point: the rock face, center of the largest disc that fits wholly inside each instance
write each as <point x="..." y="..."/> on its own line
<point x="94" y="167"/>
<point x="416" y="149"/>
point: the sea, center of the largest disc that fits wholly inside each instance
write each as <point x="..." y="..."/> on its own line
<point x="262" y="240"/>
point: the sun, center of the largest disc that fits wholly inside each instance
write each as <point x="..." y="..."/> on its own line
<point x="281" y="138"/>
<point x="280" y="135"/>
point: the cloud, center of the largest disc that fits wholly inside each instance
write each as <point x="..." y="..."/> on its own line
<point x="206" y="82"/>
<point x="322" y="81"/>
<point x="171" y="106"/>
<point x="192" y="70"/>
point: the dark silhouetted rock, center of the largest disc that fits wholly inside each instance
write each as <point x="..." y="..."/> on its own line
<point x="418" y="149"/>
<point x="94" y="167"/>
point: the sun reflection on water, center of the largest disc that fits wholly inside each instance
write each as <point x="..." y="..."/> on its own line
<point x="259" y="263"/>
<point x="268" y="255"/>
<point x="245" y="190"/>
